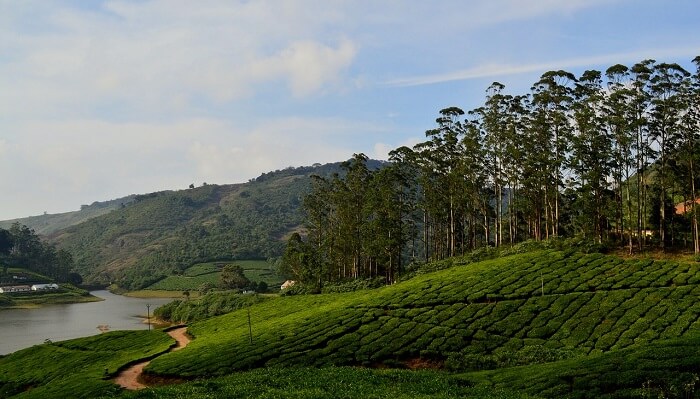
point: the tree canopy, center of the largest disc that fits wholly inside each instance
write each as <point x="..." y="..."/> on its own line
<point x="603" y="156"/>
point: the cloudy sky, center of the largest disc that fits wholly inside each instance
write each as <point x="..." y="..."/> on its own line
<point x="100" y="99"/>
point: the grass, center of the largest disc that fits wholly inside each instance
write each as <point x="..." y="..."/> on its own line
<point x="486" y="315"/>
<point x="664" y="369"/>
<point x="201" y="273"/>
<point x="33" y="299"/>
<point x="545" y="323"/>
<point x="330" y="383"/>
<point x="76" y="368"/>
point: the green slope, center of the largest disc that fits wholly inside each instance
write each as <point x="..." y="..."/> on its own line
<point x="76" y="368"/>
<point x="51" y="223"/>
<point x="164" y="233"/>
<point x="578" y="325"/>
<point x="486" y="315"/>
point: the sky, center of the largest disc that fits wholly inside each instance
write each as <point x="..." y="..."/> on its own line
<point x="101" y="99"/>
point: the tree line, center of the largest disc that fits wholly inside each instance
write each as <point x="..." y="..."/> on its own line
<point x="607" y="156"/>
<point x="20" y="246"/>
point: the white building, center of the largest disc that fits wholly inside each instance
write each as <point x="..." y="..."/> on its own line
<point x="43" y="287"/>
<point x="14" y="288"/>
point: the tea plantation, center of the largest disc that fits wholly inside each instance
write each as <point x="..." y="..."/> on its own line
<point x="546" y="324"/>
<point x="208" y="273"/>
<point x="76" y="368"/>
<point x="523" y="309"/>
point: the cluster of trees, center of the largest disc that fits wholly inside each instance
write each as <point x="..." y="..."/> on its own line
<point x="20" y="246"/>
<point x="606" y="156"/>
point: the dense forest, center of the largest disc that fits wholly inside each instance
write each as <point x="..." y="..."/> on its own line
<point x="20" y="246"/>
<point x="608" y="157"/>
<point x="161" y="234"/>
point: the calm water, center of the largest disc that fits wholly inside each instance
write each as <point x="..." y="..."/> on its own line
<point x="21" y="328"/>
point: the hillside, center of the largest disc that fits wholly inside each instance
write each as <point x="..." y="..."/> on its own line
<point x="546" y="324"/>
<point x="49" y="223"/>
<point x="164" y="233"/>
<point x="66" y="293"/>
<point x="534" y="307"/>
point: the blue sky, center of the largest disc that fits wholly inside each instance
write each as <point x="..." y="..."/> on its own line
<point x="100" y="99"/>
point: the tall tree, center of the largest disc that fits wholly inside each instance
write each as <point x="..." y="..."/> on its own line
<point x="687" y="148"/>
<point x="591" y="155"/>
<point x="666" y="83"/>
<point x="552" y="97"/>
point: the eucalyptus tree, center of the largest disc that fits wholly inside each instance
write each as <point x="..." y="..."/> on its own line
<point x="666" y="88"/>
<point x="389" y="226"/>
<point x="644" y="153"/>
<point x="687" y="149"/>
<point x="478" y="197"/>
<point x="622" y="117"/>
<point x="321" y="227"/>
<point x="440" y="159"/>
<point x="495" y="124"/>
<point x="552" y="97"/>
<point x="591" y="154"/>
<point x="351" y="196"/>
<point x="513" y="166"/>
<point x="407" y="169"/>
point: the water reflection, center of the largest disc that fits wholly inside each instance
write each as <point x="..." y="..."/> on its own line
<point x="21" y="328"/>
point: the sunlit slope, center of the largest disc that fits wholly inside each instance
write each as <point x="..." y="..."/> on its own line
<point x="662" y="369"/>
<point x="77" y="368"/>
<point x="521" y="309"/>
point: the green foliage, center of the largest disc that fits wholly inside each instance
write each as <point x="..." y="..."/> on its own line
<point x="209" y="305"/>
<point x="668" y="369"/>
<point x="76" y="368"/>
<point x="208" y="275"/>
<point x="232" y="277"/>
<point x="29" y="251"/>
<point x="330" y="383"/>
<point x="482" y="315"/>
<point x="353" y="285"/>
<point x="161" y="233"/>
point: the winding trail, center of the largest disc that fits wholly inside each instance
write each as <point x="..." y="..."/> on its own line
<point x="129" y="378"/>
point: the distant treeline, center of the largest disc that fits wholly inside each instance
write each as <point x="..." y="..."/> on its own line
<point x="605" y="156"/>
<point x="21" y="247"/>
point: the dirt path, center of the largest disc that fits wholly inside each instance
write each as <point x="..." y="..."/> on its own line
<point x="129" y="378"/>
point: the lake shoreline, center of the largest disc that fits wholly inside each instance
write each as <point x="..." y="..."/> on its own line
<point x="43" y="300"/>
<point x="27" y="324"/>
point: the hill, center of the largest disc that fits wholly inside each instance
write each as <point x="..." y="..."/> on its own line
<point x="163" y="233"/>
<point x="49" y="223"/>
<point x="545" y="323"/>
<point x="534" y="307"/>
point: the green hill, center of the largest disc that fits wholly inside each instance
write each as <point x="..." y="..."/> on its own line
<point x="163" y="233"/>
<point x="544" y="324"/>
<point x="50" y="223"/>
<point x="535" y="307"/>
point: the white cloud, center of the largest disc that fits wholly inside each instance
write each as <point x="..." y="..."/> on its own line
<point x="494" y="70"/>
<point x="161" y="56"/>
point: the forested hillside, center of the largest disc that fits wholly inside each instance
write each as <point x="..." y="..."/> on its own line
<point x="163" y="233"/>
<point x="604" y="157"/>
<point x="50" y="223"/>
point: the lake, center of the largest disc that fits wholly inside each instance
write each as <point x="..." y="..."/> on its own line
<point x="22" y="328"/>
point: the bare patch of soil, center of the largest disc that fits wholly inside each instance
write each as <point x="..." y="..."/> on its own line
<point x="132" y="378"/>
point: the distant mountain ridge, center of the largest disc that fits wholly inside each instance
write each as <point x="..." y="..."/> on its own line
<point x="147" y="237"/>
<point x="49" y="223"/>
